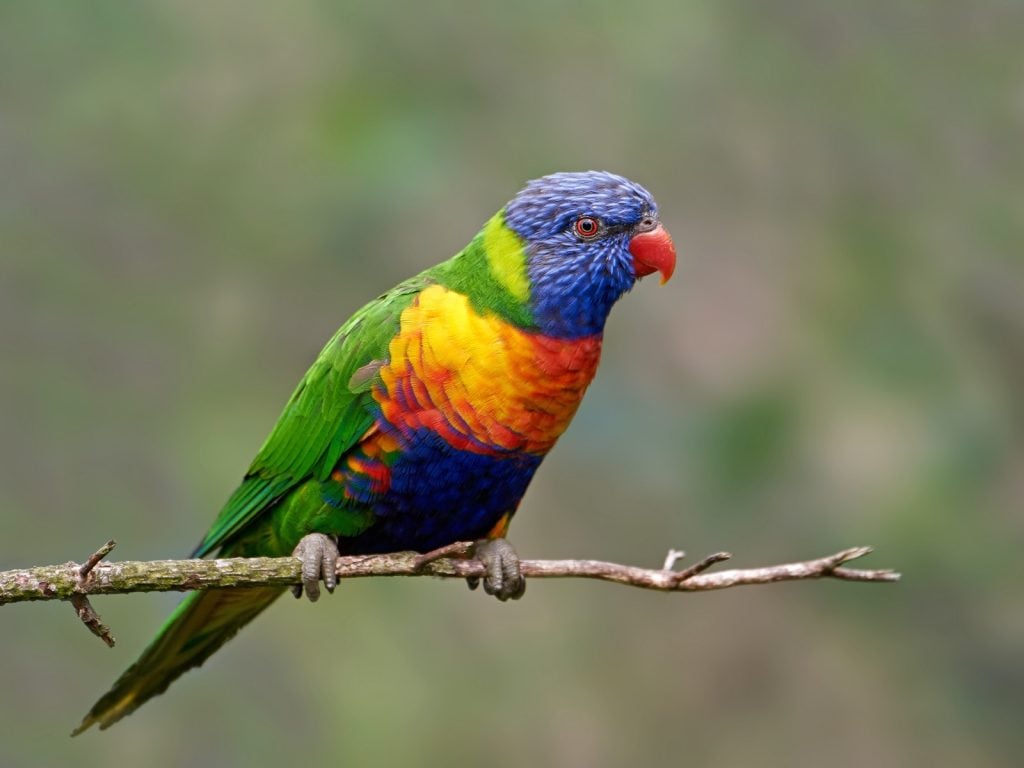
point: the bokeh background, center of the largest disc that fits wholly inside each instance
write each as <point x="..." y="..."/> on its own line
<point x="194" y="195"/>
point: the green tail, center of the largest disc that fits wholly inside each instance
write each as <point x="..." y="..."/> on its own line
<point x="201" y="624"/>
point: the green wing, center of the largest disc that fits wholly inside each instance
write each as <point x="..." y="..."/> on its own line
<point x="328" y="413"/>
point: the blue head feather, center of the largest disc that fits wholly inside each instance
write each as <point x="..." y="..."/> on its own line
<point x="574" y="282"/>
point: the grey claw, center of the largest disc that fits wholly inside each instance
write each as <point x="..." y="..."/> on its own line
<point x="504" y="577"/>
<point x="319" y="554"/>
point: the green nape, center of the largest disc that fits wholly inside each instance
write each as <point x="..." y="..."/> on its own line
<point x="491" y="271"/>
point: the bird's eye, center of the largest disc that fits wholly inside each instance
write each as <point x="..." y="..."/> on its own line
<point x="587" y="227"/>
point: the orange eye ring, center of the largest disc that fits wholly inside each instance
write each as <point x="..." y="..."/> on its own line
<point x="587" y="227"/>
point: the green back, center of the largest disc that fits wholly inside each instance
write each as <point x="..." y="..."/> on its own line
<point x="330" y="410"/>
<point x="333" y="407"/>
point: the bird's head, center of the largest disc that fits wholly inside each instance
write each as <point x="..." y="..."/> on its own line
<point x="585" y="239"/>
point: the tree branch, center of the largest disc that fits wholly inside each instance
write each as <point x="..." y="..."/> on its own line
<point x="74" y="582"/>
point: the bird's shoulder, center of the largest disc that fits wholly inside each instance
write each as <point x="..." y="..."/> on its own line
<point x="329" y="411"/>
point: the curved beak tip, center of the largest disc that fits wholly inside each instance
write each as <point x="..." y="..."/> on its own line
<point x="653" y="251"/>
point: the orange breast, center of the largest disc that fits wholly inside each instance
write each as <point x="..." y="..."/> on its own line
<point x="480" y="383"/>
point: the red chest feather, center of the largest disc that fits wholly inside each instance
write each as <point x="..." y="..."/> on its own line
<point x="479" y="382"/>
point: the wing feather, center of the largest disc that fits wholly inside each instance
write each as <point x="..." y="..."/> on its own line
<point x="328" y="413"/>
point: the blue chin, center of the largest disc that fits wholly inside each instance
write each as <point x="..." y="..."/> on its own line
<point x="572" y="297"/>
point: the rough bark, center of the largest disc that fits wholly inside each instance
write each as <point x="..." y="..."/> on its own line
<point x="76" y="582"/>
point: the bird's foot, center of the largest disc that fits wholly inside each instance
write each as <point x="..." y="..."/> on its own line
<point x="504" y="578"/>
<point x="319" y="555"/>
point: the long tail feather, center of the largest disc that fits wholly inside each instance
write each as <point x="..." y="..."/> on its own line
<point x="201" y="624"/>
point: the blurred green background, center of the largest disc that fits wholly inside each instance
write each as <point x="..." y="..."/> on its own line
<point x="194" y="195"/>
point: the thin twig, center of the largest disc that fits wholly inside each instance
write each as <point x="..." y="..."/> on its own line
<point x="63" y="582"/>
<point x="673" y="556"/>
<point x="459" y="549"/>
<point x="95" y="558"/>
<point x="91" y="619"/>
<point x="80" y="601"/>
<point x="701" y="566"/>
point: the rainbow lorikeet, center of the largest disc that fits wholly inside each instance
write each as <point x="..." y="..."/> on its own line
<point x="423" y="420"/>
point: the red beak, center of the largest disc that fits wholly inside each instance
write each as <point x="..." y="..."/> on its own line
<point x="653" y="251"/>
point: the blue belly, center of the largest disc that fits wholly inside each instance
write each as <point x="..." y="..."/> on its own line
<point x="439" y="495"/>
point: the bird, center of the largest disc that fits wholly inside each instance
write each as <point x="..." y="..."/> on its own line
<point x="424" y="418"/>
